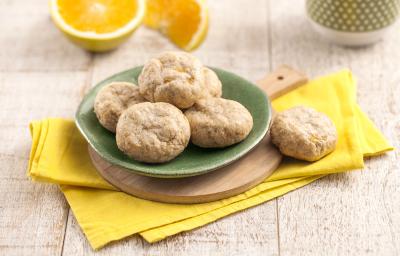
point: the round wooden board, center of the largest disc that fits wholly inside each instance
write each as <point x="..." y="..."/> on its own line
<point x="228" y="181"/>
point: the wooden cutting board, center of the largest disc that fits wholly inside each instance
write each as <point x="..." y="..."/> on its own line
<point x="228" y="181"/>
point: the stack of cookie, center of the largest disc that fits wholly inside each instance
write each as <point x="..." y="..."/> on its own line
<point x="177" y="100"/>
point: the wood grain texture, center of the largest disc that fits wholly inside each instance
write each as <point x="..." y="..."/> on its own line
<point x="30" y="42"/>
<point x="350" y="213"/>
<point x="42" y="74"/>
<point x="32" y="216"/>
<point x="231" y="235"/>
<point x="282" y="80"/>
<point x="228" y="181"/>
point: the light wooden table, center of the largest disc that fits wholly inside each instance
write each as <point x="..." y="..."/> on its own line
<point x="42" y="75"/>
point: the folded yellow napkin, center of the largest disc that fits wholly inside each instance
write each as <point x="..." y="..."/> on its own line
<point x="59" y="155"/>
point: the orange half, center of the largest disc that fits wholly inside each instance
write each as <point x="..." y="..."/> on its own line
<point x="97" y="24"/>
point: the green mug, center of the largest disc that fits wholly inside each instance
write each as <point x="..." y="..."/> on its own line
<point x="352" y="22"/>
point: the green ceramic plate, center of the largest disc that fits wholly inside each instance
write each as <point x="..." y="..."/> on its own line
<point x="194" y="160"/>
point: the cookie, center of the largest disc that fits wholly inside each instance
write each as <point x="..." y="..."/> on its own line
<point x="112" y="100"/>
<point x="172" y="77"/>
<point x="218" y="122"/>
<point x="152" y="132"/>
<point x="212" y="84"/>
<point x="303" y="133"/>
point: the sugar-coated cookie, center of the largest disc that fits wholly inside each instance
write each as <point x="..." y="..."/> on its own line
<point x="212" y="84"/>
<point x="172" y="77"/>
<point x="152" y="132"/>
<point x="218" y="122"/>
<point x="303" y="133"/>
<point x="112" y="100"/>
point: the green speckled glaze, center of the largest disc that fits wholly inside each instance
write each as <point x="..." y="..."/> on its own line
<point x="353" y="15"/>
<point x="194" y="160"/>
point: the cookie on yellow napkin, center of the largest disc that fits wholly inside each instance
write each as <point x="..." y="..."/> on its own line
<point x="59" y="155"/>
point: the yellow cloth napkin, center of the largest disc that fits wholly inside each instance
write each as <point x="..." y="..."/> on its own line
<point x="59" y="155"/>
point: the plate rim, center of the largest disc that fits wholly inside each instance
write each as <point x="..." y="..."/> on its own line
<point x="196" y="170"/>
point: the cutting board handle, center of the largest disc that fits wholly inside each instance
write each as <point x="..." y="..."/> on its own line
<point x="281" y="81"/>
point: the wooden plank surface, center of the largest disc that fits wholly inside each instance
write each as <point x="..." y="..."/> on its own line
<point x="42" y="74"/>
<point x="233" y="50"/>
<point x="351" y="213"/>
<point x="30" y="42"/>
<point x="32" y="216"/>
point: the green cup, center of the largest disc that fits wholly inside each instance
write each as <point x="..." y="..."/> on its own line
<point x="352" y="22"/>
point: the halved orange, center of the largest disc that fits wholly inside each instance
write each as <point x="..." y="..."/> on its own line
<point x="97" y="25"/>
<point x="184" y="22"/>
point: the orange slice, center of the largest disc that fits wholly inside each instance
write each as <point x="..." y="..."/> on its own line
<point x="184" y="22"/>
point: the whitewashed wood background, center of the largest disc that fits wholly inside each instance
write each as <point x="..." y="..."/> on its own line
<point x="42" y="75"/>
